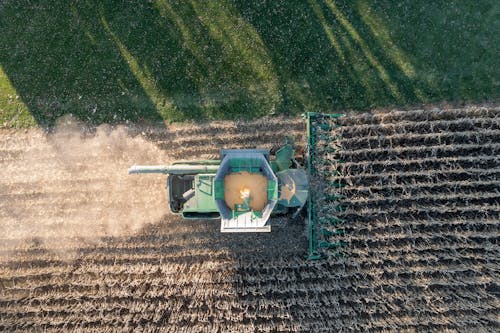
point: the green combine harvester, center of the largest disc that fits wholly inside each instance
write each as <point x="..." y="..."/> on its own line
<point x="243" y="188"/>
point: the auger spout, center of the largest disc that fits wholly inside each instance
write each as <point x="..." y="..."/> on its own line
<point x="176" y="169"/>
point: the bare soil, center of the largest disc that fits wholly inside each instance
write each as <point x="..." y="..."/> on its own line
<point x="86" y="247"/>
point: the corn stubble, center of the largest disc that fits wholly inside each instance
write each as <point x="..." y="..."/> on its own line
<point x="420" y="209"/>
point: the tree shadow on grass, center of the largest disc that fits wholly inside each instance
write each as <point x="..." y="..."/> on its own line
<point x="332" y="55"/>
<point x="191" y="60"/>
<point x="204" y="61"/>
<point x="60" y="60"/>
<point x="452" y="46"/>
<point x="136" y="61"/>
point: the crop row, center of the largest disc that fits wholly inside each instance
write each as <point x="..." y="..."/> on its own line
<point x="418" y="116"/>
<point x="414" y="197"/>
<point x="411" y="128"/>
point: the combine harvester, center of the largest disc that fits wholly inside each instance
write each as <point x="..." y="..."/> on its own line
<point x="245" y="187"/>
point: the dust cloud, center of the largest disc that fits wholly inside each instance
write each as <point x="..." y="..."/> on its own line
<point x="72" y="186"/>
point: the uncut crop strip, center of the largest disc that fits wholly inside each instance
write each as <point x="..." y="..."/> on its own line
<point x="420" y="185"/>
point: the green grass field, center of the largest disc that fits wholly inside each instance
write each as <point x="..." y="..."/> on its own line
<point x="150" y="61"/>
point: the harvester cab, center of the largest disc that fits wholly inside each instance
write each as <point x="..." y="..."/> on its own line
<point x="243" y="188"/>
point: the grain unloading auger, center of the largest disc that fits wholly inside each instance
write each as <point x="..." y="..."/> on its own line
<point x="245" y="187"/>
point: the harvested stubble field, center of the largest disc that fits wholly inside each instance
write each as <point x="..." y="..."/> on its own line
<point x="87" y="248"/>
